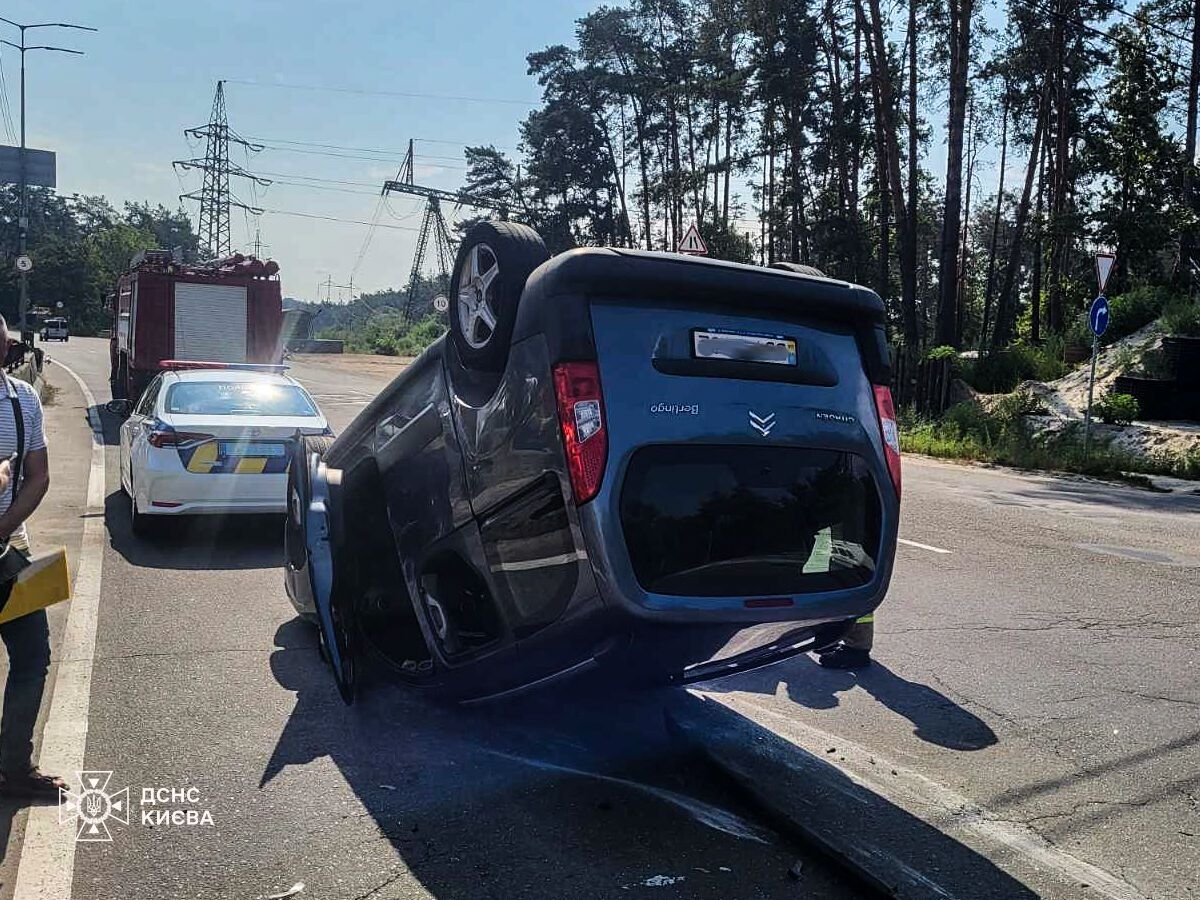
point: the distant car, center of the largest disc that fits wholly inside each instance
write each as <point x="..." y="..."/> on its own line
<point x="55" y="330"/>
<point x="204" y="440"/>
<point x="673" y="467"/>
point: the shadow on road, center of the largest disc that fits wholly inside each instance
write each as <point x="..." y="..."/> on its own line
<point x="197" y="542"/>
<point x="570" y="792"/>
<point x="936" y="718"/>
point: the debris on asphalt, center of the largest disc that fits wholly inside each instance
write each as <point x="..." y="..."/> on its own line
<point x="662" y="880"/>
<point x="725" y="868"/>
<point x="290" y="892"/>
<point x="388" y="787"/>
<point x="797" y="870"/>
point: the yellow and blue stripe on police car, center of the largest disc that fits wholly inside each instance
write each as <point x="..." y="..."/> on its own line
<point x="207" y="459"/>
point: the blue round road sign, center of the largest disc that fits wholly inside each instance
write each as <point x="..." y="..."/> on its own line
<point x="1098" y="316"/>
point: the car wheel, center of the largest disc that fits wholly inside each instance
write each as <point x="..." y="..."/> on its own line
<point x="799" y="269"/>
<point x="493" y="263"/>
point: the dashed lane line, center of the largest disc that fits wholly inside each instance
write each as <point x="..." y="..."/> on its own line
<point x="921" y="546"/>
<point x="47" y="861"/>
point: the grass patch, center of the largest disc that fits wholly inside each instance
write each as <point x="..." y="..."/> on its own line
<point x="1003" y="435"/>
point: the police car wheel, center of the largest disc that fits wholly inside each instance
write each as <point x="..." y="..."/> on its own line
<point x="493" y="263"/>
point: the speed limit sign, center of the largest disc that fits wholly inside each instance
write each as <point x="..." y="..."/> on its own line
<point x="441" y="303"/>
<point x="24" y="263"/>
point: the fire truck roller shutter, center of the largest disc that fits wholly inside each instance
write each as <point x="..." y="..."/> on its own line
<point x="210" y="322"/>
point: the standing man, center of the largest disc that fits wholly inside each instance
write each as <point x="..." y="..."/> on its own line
<point x="27" y="639"/>
<point x="853" y="651"/>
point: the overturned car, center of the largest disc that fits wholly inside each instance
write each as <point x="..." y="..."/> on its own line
<point x="674" y="467"/>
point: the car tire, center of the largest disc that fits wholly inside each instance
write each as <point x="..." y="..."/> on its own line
<point x="483" y="309"/>
<point x="799" y="269"/>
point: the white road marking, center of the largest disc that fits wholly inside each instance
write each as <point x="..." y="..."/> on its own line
<point x="940" y="806"/>
<point x="47" y="862"/>
<point x="920" y="546"/>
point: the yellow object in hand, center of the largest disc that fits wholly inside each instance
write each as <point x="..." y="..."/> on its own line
<point x="44" y="582"/>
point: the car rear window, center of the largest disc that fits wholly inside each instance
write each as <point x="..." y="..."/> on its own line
<point x="238" y="398"/>
<point x="714" y="521"/>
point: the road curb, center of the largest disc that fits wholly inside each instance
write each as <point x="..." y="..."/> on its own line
<point x="47" y="861"/>
<point x="913" y="851"/>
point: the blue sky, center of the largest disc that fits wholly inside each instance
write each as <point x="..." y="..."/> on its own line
<point x="116" y="116"/>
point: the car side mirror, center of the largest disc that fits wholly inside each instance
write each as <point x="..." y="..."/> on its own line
<point x="120" y="408"/>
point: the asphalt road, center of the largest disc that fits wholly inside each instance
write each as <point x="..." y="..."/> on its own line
<point x="1037" y="660"/>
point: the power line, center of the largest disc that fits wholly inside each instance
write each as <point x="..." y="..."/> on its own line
<point x="411" y="95"/>
<point x="317" y="178"/>
<point x="7" y="110"/>
<point x="386" y="151"/>
<point x="288" y="212"/>
<point x="336" y="155"/>
<point x="362" y="251"/>
<point x="460" y="143"/>
<point x="325" y="187"/>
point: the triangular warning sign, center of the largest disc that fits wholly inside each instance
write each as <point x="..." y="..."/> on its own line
<point x="692" y="242"/>
<point x="1104" y="267"/>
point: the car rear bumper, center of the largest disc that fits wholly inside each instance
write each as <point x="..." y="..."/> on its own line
<point x="223" y="508"/>
<point x="166" y="488"/>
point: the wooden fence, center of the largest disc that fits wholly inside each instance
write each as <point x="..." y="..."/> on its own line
<point x="923" y="384"/>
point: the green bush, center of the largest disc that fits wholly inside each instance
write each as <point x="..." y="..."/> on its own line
<point x="1003" y="435"/>
<point x="1079" y="332"/>
<point x="1116" y="409"/>
<point x="1182" y="319"/>
<point x="1135" y="309"/>
<point x="1001" y="371"/>
<point x="943" y="351"/>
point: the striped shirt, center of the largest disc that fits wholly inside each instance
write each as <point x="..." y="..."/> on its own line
<point x="35" y="439"/>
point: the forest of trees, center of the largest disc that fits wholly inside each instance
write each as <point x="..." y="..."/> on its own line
<point x="80" y="244"/>
<point x="967" y="172"/>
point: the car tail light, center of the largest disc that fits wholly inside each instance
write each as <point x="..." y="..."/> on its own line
<point x="890" y="431"/>
<point x="581" y="415"/>
<point x="163" y="435"/>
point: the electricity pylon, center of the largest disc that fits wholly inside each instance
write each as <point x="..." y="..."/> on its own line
<point x="214" y="195"/>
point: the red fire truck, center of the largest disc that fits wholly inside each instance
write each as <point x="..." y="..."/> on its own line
<point x="228" y="310"/>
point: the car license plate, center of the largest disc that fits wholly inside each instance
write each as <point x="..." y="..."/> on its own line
<point x="252" y="448"/>
<point x="741" y="346"/>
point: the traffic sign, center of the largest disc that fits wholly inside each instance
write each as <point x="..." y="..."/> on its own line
<point x="441" y="303"/>
<point x="1104" y="266"/>
<point x="1098" y="316"/>
<point x="692" y="242"/>
<point x="24" y="263"/>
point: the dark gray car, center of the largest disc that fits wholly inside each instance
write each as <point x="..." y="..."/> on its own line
<point x="673" y="466"/>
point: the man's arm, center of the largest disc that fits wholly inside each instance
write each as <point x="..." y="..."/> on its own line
<point x="34" y="484"/>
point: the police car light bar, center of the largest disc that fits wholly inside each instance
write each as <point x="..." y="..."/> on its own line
<point x="175" y="364"/>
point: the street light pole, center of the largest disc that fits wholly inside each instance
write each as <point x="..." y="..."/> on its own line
<point x="23" y="180"/>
